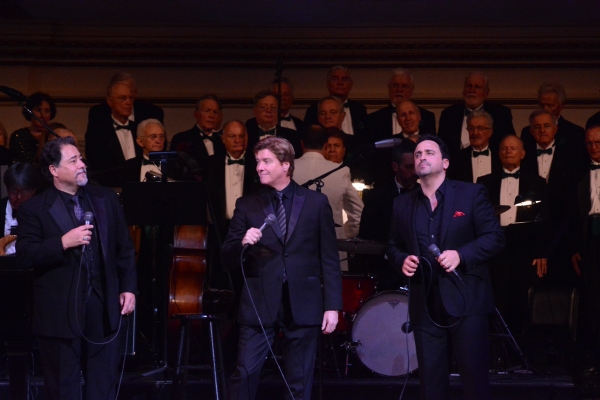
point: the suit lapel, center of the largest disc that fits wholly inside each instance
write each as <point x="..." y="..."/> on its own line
<point x="447" y="208"/>
<point x="297" y="204"/>
<point x="267" y="206"/>
<point x="59" y="213"/>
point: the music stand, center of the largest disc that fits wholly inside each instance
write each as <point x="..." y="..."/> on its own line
<point x="165" y="204"/>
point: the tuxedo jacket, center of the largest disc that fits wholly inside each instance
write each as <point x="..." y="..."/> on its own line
<point x="191" y="142"/>
<point x="569" y="135"/>
<point x="451" y="121"/>
<point x="357" y="110"/>
<point x="43" y="220"/>
<point x="215" y="181"/>
<point x="309" y="258"/>
<point x="254" y="133"/>
<point x="531" y="187"/>
<point x="469" y="226"/>
<point x="380" y="126"/>
<point x="142" y="110"/>
<point x="461" y="168"/>
<point x="593" y="120"/>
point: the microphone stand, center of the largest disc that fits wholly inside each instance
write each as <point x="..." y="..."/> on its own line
<point x="318" y="181"/>
<point x="278" y="72"/>
<point x="38" y="119"/>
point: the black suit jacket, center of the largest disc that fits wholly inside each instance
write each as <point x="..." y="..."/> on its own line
<point x="215" y="180"/>
<point x="380" y="127"/>
<point x="357" y="110"/>
<point x="593" y="120"/>
<point x="461" y="168"/>
<point x="191" y="142"/>
<point x="470" y="227"/>
<point x="451" y="121"/>
<point x="254" y="133"/>
<point x="309" y="257"/>
<point x="43" y="220"/>
<point x="141" y="109"/>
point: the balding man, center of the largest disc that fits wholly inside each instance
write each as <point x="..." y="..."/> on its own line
<point x="203" y="140"/>
<point x="339" y="83"/>
<point x="383" y="124"/>
<point x="453" y="121"/>
<point x="110" y="138"/>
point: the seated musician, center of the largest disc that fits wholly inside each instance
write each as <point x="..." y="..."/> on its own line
<point x="22" y="180"/>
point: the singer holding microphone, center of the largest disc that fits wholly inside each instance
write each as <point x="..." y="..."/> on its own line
<point x="450" y="289"/>
<point x="292" y="269"/>
<point x="76" y="240"/>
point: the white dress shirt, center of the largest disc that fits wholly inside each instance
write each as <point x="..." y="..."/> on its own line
<point x="397" y="129"/>
<point x="595" y="190"/>
<point x="125" y="138"/>
<point x="154" y="167"/>
<point x="509" y="190"/>
<point x="289" y="124"/>
<point x="481" y="165"/>
<point x="210" y="148"/>
<point x="347" y="123"/>
<point x="234" y="184"/>
<point x="545" y="161"/>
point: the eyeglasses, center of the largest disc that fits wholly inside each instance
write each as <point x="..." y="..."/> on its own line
<point x="592" y="144"/>
<point x="267" y="108"/>
<point x="472" y="129"/>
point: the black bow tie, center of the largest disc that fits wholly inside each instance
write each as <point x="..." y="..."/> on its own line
<point x="147" y="162"/>
<point x="467" y="112"/>
<point x="269" y="132"/>
<point x="509" y="175"/>
<point x="120" y="127"/>
<point x="485" y="152"/>
<point x="547" y="151"/>
<point x="594" y="167"/>
<point x="346" y="105"/>
<point x="288" y="118"/>
<point x="238" y="161"/>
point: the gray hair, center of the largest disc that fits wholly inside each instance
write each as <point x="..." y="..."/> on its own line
<point x="403" y="72"/>
<point x="481" y="113"/>
<point x="285" y="80"/>
<point x="120" y="77"/>
<point x="553" y="87"/>
<point x="150" y="121"/>
<point x="338" y="101"/>
<point x="537" y="113"/>
<point x="480" y="73"/>
<point x="338" y="68"/>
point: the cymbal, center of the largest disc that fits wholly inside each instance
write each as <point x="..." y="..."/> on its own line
<point x="500" y="209"/>
<point x="360" y="246"/>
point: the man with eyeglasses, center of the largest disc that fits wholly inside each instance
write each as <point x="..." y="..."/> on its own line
<point x="552" y="161"/>
<point x="585" y="247"/>
<point x="110" y="136"/>
<point x="477" y="159"/>
<point x="150" y="137"/>
<point x="264" y="123"/>
<point x="339" y="84"/>
<point x="453" y="121"/>
<point x="383" y="123"/>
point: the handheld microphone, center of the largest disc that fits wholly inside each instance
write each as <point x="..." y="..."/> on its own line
<point x="435" y="251"/>
<point x="270" y="220"/>
<point x="384" y="144"/>
<point x="15" y="94"/>
<point x="88" y="217"/>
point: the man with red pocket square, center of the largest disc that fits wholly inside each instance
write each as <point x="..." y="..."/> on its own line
<point x="450" y="294"/>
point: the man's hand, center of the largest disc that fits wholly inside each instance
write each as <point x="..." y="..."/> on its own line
<point x="252" y="236"/>
<point x="410" y="265"/>
<point x="330" y="320"/>
<point x="541" y="265"/>
<point x="77" y="236"/>
<point x="449" y="260"/>
<point x="127" y="301"/>
<point x="575" y="261"/>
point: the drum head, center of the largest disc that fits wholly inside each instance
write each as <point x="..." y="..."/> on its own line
<point x="383" y="347"/>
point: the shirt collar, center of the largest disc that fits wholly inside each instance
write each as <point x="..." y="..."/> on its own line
<point x="537" y="146"/>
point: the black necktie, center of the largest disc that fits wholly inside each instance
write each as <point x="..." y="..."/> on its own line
<point x="231" y="161"/>
<point x="281" y="215"/>
<point x="119" y="127"/>
<point x="509" y="175"/>
<point x="541" y="151"/>
<point x="594" y="167"/>
<point x="485" y="152"/>
<point x="77" y="210"/>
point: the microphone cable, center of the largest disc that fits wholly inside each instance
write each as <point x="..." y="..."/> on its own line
<point x="407" y="329"/>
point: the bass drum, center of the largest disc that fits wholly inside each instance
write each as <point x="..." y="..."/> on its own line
<point x="382" y="346"/>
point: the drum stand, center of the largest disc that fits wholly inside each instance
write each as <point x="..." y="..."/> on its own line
<point x="501" y="330"/>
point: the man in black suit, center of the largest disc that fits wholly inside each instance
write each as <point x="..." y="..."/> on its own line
<point x="287" y="120"/>
<point x="292" y="271"/>
<point x="524" y="228"/>
<point x="339" y="84"/>
<point x="551" y="160"/>
<point x="552" y="98"/>
<point x="453" y="121"/>
<point x="585" y="247"/>
<point x="383" y="124"/>
<point x="477" y="159"/>
<point x="451" y="300"/>
<point x="264" y="122"/>
<point x="111" y="130"/>
<point x="85" y="276"/>
<point x="151" y="136"/>
<point x="204" y="139"/>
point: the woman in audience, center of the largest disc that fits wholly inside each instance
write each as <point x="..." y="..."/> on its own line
<point x="26" y="143"/>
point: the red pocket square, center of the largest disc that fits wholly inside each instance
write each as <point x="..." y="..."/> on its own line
<point x="459" y="214"/>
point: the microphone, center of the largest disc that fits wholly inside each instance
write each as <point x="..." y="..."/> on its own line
<point x="384" y="144"/>
<point x="435" y="251"/>
<point x="15" y="94"/>
<point x="270" y="220"/>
